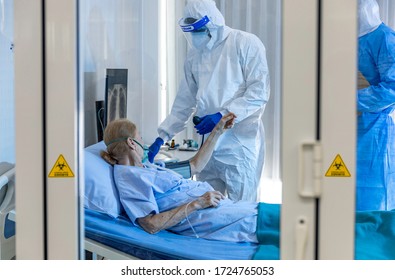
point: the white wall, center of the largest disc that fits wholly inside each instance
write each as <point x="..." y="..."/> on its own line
<point x="120" y="34"/>
<point x="387" y="12"/>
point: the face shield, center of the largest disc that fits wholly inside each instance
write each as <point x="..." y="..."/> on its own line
<point x="196" y="31"/>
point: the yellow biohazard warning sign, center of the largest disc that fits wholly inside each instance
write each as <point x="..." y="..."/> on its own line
<point x="61" y="169"/>
<point x="338" y="168"/>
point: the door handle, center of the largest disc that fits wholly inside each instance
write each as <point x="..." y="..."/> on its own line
<point x="310" y="170"/>
<point x="301" y="233"/>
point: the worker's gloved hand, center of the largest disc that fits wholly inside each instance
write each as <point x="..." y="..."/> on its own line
<point x="207" y="123"/>
<point x="154" y="149"/>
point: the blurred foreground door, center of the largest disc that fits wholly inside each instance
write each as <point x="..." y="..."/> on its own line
<point x="318" y="119"/>
<point x="318" y="113"/>
<point x="48" y="212"/>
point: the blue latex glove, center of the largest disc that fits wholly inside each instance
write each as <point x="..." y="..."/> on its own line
<point x="207" y="123"/>
<point x="154" y="149"/>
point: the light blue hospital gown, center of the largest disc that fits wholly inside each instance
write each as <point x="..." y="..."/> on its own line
<point x="155" y="189"/>
<point x="376" y="126"/>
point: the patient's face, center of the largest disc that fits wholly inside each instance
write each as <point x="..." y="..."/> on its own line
<point x="138" y="137"/>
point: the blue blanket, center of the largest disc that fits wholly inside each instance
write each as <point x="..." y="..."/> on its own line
<point x="374" y="234"/>
<point x="268" y="232"/>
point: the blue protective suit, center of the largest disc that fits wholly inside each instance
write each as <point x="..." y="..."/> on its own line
<point x="154" y="189"/>
<point x="376" y="128"/>
<point x="230" y="74"/>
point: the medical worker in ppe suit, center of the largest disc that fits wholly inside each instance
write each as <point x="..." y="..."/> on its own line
<point x="376" y="104"/>
<point x="225" y="71"/>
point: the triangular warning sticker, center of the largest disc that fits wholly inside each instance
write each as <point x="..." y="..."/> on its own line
<point x="61" y="169"/>
<point x="338" y="168"/>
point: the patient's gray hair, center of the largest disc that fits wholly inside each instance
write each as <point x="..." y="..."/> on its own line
<point x="115" y="136"/>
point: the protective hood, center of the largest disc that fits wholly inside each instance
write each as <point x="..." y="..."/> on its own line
<point x="198" y="9"/>
<point x="368" y="16"/>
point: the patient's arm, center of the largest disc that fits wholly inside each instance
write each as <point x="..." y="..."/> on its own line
<point x="199" y="161"/>
<point x="155" y="223"/>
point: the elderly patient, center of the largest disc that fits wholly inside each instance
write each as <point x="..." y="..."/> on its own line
<point x="156" y="198"/>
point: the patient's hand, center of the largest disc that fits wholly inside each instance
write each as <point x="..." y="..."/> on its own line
<point x="153" y="223"/>
<point x="209" y="199"/>
<point x="199" y="161"/>
<point x="226" y="122"/>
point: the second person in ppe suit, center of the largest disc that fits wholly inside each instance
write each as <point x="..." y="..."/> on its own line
<point x="225" y="71"/>
<point x="376" y="105"/>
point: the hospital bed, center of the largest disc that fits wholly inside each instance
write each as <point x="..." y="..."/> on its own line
<point x="7" y="211"/>
<point x="109" y="234"/>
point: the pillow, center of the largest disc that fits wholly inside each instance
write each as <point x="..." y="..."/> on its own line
<point x="100" y="192"/>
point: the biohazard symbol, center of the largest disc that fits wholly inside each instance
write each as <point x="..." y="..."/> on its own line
<point x="61" y="169"/>
<point x="338" y="168"/>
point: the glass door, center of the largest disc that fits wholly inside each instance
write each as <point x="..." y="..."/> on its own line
<point x="7" y="136"/>
<point x="48" y="216"/>
<point x="131" y="65"/>
<point x="375" y="191"/>
<point x="121" y="61"/>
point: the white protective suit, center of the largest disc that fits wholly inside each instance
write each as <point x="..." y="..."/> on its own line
<point x="229" y="75"/>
